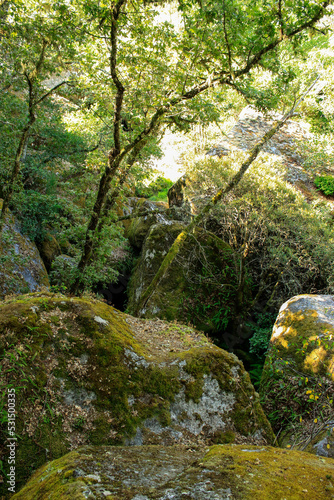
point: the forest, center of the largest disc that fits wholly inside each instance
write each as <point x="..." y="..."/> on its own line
<point x="166" y="185"/>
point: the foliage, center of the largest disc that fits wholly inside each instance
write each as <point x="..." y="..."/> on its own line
<point x="178" y="72"/>
<point x="38" y="212"/>
<point x="209" y="270"/>
<point x="317" y="154"/>
<point x="261" y="333"/>
<point x="155" y="190"/>
<point x="285" y="240"/>
<point x="325" y="183"/>
<point x="255" y="374"/>
<point x="105" y="265"/>
<point x="296" y="402"/>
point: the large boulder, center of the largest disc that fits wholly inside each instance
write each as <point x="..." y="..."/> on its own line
<point x="49" y="249"/>
<point x="223" y="472"/>
<point x="149" y="213"/>
<point x="199" y="284"/>
<point x="297" y="384"/>
<point x="86" y="373"/>
<point x="176" y="192"/>
<point x="21" y="267"/>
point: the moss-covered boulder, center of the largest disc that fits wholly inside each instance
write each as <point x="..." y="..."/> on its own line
<point x="49" y="249"/>
<point x="297" y="384"/>
<point x="21" y="267"/>
<point x="223" y="472"/>
<point x="199" y="286"/>
<point x="85" y="373"/>
<point x="149" y="213"/>
<point x="176" y="194"/>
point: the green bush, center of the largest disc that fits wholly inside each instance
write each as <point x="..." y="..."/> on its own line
<point x="37" y="212"/>
<point x="283" y="239"/>
<point x="156" y="190"/>
<point x="325" y="183"/>
<point x="261" y="333"/>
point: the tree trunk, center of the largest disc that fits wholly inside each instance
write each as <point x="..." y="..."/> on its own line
<point x="16" y="168"/>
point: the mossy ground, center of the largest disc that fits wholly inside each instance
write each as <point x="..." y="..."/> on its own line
<point x="241" y="472"/>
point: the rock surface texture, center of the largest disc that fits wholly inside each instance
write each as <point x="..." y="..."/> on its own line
<point x="225" y="472"/>
<point x="89" y="374"/>
<point x="298" y="376"/>
<point x="252" y="125"/>
<point x="21" y="267"/>
<point x="154" y="213"/>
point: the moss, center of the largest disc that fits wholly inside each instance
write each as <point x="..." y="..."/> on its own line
<point x="194" y="390"/>
<point x="224" y="437"/>
<point x="103" y="372"/>
<point x="49" y="249"/>
<point x="21" y="268"/>
<point x="297" y="383"/>
<point x="174" y="296"/>
<point x="306" y="341"/>
<point x="242" y="472"/>
<point x="83" y="375"/>
<point x="269" y="473"/>
<point x="139" y="227"/>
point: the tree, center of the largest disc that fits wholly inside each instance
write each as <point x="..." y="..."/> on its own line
<point x="219" y="196"/>
<point x="160" y="72"/>
<point x="34" y="42"/>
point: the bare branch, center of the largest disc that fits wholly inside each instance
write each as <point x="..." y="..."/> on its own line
<point x="51" y="91"/>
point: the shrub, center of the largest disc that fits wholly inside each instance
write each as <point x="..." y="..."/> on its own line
<point x="37" y="212"/>
<point x="325" y="183"/>
<point x="156" y="190"/>
<point x="284" y="241"/>
<point x="261" y="333"/>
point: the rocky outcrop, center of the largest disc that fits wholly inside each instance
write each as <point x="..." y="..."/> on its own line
<point x="190" y="290"/>
<point x="298" y="377"/>
<point x="252" y="125"/>
<point x="21" y="267"/>
<point x="149" y="213"/>
<point x="223" y="472"/>
<point x="86" y="373"/>
<point x="49" y="249"/>
<point x="176" y="194"/>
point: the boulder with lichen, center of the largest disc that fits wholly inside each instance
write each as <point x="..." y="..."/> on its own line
<point x="199" y="285"/>
<point x="223" y="472"/>
<point x="85" y="373"/>
<point x="144" y="215"/>
<point x="21" y="267"/>
<point x="297" y="384"/>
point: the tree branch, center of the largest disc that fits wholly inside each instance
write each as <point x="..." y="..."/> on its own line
<point x="280" y="18"/>
<point x="51" y="91"/>
<point x="117" y="154"/>
<point x="257" y="57"/>
<point x="227" y="42"/>
<point x="180" y="240"/>
<point x="115" y="12"/>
